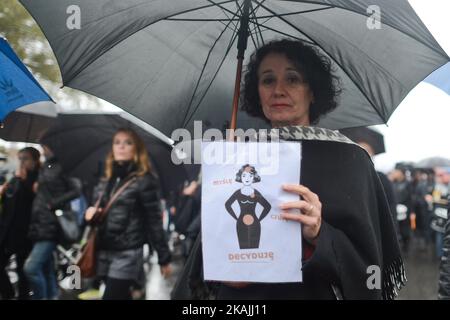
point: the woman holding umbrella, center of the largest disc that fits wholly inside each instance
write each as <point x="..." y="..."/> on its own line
<point x="133" y="219"/>
<point x="346" y="225"/>
<point x="17" y="197"/>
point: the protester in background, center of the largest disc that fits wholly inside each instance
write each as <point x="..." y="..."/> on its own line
<point x="438" y="198"/>
<point x="373" y="143"/>
<point x="420" y="207"/>
<point x="54" y="191"/>
<point x="444" y="271"/>
<point x="17" y="198"/>
<point x="194" y="193"/>
<point x="133" y="219"/>
<point x="403" y="194"/>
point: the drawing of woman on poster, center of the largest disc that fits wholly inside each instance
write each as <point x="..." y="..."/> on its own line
<point x="248" y="225"/>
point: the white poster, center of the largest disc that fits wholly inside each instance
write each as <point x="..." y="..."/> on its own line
<point x="243" y="235"/>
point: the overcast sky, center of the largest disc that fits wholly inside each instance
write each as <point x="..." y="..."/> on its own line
<point x="420" y="126"/>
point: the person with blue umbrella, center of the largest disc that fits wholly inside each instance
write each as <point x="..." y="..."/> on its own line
<point x="18" y="87"/>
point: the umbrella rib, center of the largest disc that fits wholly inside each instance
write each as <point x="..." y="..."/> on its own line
<point x="174" y="51"/>
<point x="203" y="70"/>
<point x="283" y="33"/>
<point x="356" y="84"/>
<point x="222" y="21"/>
<point x="233" y="14"/>
<point x="204" y="66"/>
<point x="256" y="19"/>
<point x="270" y="17"/>
<point x="119" y="41"/>
<point x="251" y="31"/>
<point x="141" y="4"/>
<point x="293" y="13"/>
<point x="198" y="20"/>
<point x="256" y="44"/>
<point x="387" y="24"/>
<point x="225" y="10"/>
<point x="212" y="80"/>
<point x="219" y="5"/>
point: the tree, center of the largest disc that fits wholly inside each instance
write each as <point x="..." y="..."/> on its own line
<point x="30" y="44"/>
<point x="27" y="40"/>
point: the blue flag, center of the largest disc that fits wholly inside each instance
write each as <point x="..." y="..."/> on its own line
<point x="18" y="87"/>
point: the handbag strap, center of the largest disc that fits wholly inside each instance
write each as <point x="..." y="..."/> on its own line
<point x="102" y="214"/>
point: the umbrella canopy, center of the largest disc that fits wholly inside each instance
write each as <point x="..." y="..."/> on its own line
<point x="81" y="141"/>
<point x="433" y="162"/>
<point x="172" y="63"/>
<point x="369" y="136"/>
<point x="28" y="124"/>
<point x="18" y="87"/>
<point x="440" y="78"/>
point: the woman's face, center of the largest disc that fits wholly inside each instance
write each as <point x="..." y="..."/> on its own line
<point x="26" y="161"/>
<point x="123" y="147"/>
<point x="247" y="178"/>
<point x="285" y="97"/>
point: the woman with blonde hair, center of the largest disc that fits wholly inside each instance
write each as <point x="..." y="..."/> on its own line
<point x="133" y="219"/>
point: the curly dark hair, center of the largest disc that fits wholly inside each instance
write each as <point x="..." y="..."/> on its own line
<point x="312" y="65"/>
<point x="256" y="177"/>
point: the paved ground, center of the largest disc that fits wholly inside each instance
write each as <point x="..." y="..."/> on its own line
<point x="422" y="268"/>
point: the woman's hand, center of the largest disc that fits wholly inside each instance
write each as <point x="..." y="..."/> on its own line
<point x="190" y="189"/>
<point x="21" y="173"/>
<point x="311" y="211"/>
<point x="166" y="270"/>
<point x="90" y="213"/>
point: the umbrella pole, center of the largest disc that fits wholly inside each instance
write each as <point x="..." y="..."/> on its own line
<point x="242" y="46"/>
<point x="237" y="94"/>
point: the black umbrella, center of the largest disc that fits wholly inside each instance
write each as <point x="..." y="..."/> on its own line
<point x="81" y="142"/>
<point x="28" y="123"/>
<point x="172" y="62"/>
<point x="369" y="136"/>
<point x="433" y="162"/>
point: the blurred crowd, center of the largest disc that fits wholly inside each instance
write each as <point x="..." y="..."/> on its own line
<point x="34" y="258"/>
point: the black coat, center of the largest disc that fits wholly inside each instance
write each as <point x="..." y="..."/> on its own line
<point x="55" y="191"/>
<point x="357" y="231"/>
<point x="444" y="271"/>
<point x="15" y="218"/>
<point x="134" y="218"/>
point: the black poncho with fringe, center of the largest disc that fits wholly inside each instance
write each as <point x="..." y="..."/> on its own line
<point x="357" y="235"/>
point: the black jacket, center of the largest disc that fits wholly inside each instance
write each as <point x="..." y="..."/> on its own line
<point x="444" y="272"/>
<point x="55" y="191"/>
<point x="357" y="231"/>
<point x="16" y="212"/>
<point x="134" y="218"/>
